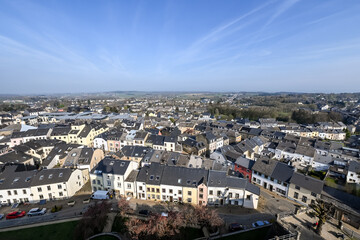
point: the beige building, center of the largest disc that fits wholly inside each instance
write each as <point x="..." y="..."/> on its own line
<point x="304" y="189"/>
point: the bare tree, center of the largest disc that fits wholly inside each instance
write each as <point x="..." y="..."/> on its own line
<point x="322" y="211"/>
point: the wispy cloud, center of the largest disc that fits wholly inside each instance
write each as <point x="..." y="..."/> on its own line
<point x="283" y="7"/>
<point x="220" y="32"/>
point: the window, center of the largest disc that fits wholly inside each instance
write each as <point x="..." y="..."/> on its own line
<point x="153" y="189"/>
<point x="60" y="194"/>
<point x="15" y="192"/>
<point x="24" y="191"/>
<point x="140" y="188"/>
<point x="157" y="190"/>
<point x="201" y="190"/>
<point x="218" y="193"/>
<point x="248" y="197"/>
<point x="189" y="193"/>
<point x="59" y="186"/>
<point x="211" y="192"/>
<point x="108" y="182"/>
<point x="179" y="192"/>
<point x="304" y="199"/>
<point x="170" y="191"/>
<point x="48" y="188"/>
<point x="94" y="181"/>
<point x="296" y="195"/>
<point x="237" y="195"/>
<point x="39" y="189"/>
<point x="164" y="190"/>
<point x="189" y="200"/>
<point x="297" y="187"/>
<point x="98" y="182"/>
<point x="230" y="195"/>
<point x="313" y="194"/>
<point x="119" y="184"/>
<point x="201" y="195"/>
<point x="128" y="186"/>
<point x="148" y="189"/>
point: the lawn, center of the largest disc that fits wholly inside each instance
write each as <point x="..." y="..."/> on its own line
<point x="58" y="231"/>
<point x="191" y="233"/>
<point x="258" y="234"/>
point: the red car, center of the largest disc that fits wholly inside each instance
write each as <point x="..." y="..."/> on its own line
<point x="16" y="214"/>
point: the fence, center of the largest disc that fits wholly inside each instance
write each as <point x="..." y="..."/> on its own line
<point x="351" y="233"/>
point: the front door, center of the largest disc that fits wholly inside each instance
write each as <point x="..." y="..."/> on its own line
<point x="265" y="185"/>
<point x="271" y="187"/>
<point x="171" y="199"/>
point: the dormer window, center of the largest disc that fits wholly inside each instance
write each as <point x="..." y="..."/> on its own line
<point x="122" y="164"/>
<point x="152" y="177"/>
<point x="50" y="176"/>
<point x="41" y="177"/>
<point x="60" y="174"/>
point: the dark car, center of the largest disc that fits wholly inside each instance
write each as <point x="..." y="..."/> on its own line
<point x="145" y="212"/>
<point x="235" y="227"/>
<point x="16" y="214"/>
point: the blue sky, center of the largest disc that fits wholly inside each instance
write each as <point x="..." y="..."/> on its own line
<point x="90" y="46"/>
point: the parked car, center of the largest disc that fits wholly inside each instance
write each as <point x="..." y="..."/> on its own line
<point x="145" y="212"/>
<point x="164" y="214"/>
<point x="86" y="200"/>
<point x="235" y="227"/>
<point x="16" y="214"/>
<point x="260" y="223"/>
<point x="1" y="216"/>
<point x="36" y="212"/>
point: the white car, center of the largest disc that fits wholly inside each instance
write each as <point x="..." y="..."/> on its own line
<point x="36" y="212"/>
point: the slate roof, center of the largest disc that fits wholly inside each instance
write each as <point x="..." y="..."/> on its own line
<point x="309" y="183"/>
<point x="151" y="174"/>
<point x="245" y="162"/>
<point x="134" y="151"/>
<point x="181" y="176"/>
<point x="274" y="169"/>
<point x="111" y="166"/>
<point x="217" y="179"/>
<point x="354" y="166"/>
<point x="10" y="179"/>
<point x="50" y="176"/>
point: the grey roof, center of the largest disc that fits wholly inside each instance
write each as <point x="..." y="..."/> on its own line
<point x="151" y="174"/>
<point x="135" y="151"/>
<point x="354" y="166"/>
<point x="252" y="188"/>
<point x="274" y="169"/>
<point x="50" y="176"/>
<point x="10" y="179"/>
<point x="282" y="172"/>
<point x="14" y="157"/>
<point x="181" y="176"/>
<point x="309" y="183"/>
<point x="265" y="166"/>
<point x="245" y="162"/>
<point x="217" y="179"/>
<point x="111" y="166"/>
